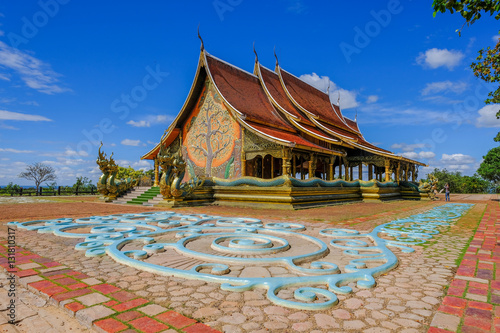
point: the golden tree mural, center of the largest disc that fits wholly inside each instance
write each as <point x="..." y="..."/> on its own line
<point x="211" y="135"/>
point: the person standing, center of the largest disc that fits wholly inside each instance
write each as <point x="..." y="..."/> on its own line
<point x="447" y="192"/>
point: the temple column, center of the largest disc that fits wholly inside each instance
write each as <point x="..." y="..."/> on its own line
<point x="340" y="167"/>
<point x="287" y="156"/>
<point x="370" y="171"/>
<point x="156" y="183"/>
<point x="413" y="173"/>
<point x="398" y="172"/>
<point x="360" y="171"/>
<point x="312" y="165"/>
<point x="330" y="169"/>
<point x="350" y="173"/>
<point x="243" y="167"/>
<point x="387" y="170"/>
<point x="294" y="166"/>
<point x="346" y="169"/>
<point x="406" y="172"/>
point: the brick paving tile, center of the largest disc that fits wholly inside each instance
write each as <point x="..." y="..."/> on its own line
<point x="110" y="325"/>
<point x="472" y="329"/>
<point x="175" y="319"/>
<point x="480" y="305"/>
<point x="52" y="273"/>
<point x="148" y="325"/>
<point x="130" y="304"/>
<point x="77" y="286"/>
<point x="451" y="310"/>
<point x="58" y="276"/>
<point x="456" y="302"/>
<point x="110" y="303"/>
<point x="74" y="307"/>
<point x="71" y="294"/>
<point x="28" y="272"/>
<point x="65" y="281"/>
<point x="202" y="328"/>
<point x="479" y="313"/>
<point x="53" y="290"/>
<point x="39" y="285"/>
<point x="129" y="315"/>
<point x="51" y="264"/>
<point x="105" y="288"/>
<point x="477" y="322"/>
<point x="123" y="296"/>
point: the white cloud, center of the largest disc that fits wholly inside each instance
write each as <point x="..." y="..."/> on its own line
<point x="487" y="116"/>
<point x="426" y="154"/>
<point x="347" y="97"/>
<point x="9" y="115"/>
<point x="142" y="165"/>
<point x="414" y="155"/>
<point x="70" y="152"/>
<point x="496" y="38"/>
<point x="149" y="120"/>
<point x="16" y="151"/>
<point x="141" y="123"/>
<point x="457" y="159"/>
<point x="4" y="77"/>
<point x="372" y="99"/>
<point x="435" y="58"/>
<point x="410" y="116"/>
<point x="152" y="142"/>
<point x="408" y="147"/>
<point x="444" y="87"/>
<point x="34" y="72"/>
<point x="129" y="142"/>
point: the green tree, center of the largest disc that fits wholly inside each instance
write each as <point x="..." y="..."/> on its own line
<point x="39" y="173"/>
<point x="124" y="173"/>
<point x="490" y="167"/>
<point x="487" y="66"/>
<point x="83" y="183"/>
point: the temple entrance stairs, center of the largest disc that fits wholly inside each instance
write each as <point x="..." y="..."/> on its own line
<point x="132" y="194"/>
<point x="144" y="197"/>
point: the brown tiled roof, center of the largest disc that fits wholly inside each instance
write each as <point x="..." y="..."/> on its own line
<point x="277" y="133"/>
<point x="243" y="91"/>
<point x="273" y="85"/>
<point x="352" y="124"/>
<point x="312" y="100"/>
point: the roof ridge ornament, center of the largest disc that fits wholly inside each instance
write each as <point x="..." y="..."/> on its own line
<point x="338" y="100"/>
<point x="256" y="56"/>
<point x="356" y="116"/>
<point x="202" y="47"/>
<point x="277" y="63"/>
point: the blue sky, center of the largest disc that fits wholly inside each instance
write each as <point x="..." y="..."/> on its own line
<point x="75" y="72"/>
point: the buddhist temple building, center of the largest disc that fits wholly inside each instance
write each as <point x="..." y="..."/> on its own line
<point x="241" y="130"/>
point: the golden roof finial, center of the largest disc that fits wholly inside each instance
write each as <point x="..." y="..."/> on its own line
<point x="256" y="56"/>
<point x="202" y="47"/>
<point x="277" y="64"/>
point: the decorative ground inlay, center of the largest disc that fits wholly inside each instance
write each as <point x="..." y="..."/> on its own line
<point x="301" y="268"/>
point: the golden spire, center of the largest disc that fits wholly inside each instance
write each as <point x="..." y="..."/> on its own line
<point x="256" y="56"/>
<point x="202" y="47"/>
<point x="277" y="64"/>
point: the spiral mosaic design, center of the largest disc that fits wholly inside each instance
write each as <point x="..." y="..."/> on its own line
<point x="244" y="253"/>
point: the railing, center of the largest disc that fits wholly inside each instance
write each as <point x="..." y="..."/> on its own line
<point x="61" y="190"/>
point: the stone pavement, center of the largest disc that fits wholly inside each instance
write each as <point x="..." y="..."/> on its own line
<point x="97" y="305"/>
<point x="472" y="302"/>
<point x="404" y="300"/>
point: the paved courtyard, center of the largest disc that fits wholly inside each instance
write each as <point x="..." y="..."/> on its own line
<point x="448" y="284"/>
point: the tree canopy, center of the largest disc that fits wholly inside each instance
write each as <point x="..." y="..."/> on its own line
<point x="487" y="66"/>
<point x="490" y="167"/>
<point x="461" y="184"/>
<point x="39" y="173"/>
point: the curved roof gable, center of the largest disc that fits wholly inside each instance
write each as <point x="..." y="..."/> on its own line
<point x="243" y="91"/>
<point x="310" y="99"/>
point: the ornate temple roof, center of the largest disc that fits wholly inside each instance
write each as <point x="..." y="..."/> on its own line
<point x="277" y="106"/>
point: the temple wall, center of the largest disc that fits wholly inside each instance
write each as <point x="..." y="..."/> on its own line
<point x="211" y="139"/>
